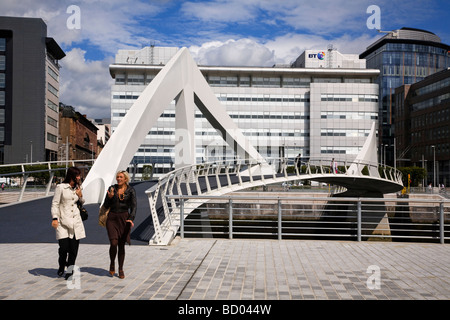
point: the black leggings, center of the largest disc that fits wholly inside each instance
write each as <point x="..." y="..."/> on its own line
<point x="114" y="245"/>
<point x="68" y="250"/>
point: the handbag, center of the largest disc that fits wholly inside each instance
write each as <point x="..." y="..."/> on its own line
<point x="83" y="212"/>
<point x="103" y="215"/>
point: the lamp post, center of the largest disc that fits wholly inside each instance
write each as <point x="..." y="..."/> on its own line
<point x="434" y="166"/>
<point x="395" y="156"/>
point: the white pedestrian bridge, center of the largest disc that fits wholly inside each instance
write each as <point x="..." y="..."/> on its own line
<point x="182" y="81"/>
<point x="209" y="180"/>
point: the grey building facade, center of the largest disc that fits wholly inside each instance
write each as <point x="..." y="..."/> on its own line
<point x="315" y="111"/>
<point x="29" y="91"/>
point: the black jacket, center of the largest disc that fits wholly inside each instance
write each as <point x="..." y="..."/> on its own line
<point x="128" y="203"/>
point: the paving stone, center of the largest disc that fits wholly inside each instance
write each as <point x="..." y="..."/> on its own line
<point x="237" y="269"/>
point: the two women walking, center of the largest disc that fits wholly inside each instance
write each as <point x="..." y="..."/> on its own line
<point x="121" y="202"/>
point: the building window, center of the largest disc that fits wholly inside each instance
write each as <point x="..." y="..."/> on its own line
<point x="2" y="62"/>
<point x="120" y="79"/>
<point x="52" y="89"/>
<point x="52" y="122"/>
<point x="136" y="79"/>
<point x="52" y="73"/>
<point x="52" y="137"/>
<point x="52" y="105"/>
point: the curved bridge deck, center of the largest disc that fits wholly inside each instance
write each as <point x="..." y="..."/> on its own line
<point x="219" y="179"/>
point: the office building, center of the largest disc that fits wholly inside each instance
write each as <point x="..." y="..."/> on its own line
<point x="29" y="91"/>
<point x="423" y="126"/>
<point x="315" y="111"/>
<point x="403" y="56"/>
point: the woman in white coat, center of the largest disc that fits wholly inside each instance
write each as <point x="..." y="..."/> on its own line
<point x="66" y="218"/>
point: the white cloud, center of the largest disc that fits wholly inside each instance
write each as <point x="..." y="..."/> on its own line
<point x="219" y="11"/>
<point x="318" y="16"/>
<point x="86" y="85"/>
<point x="108" y="25"/>
<point x="242" y="52"/>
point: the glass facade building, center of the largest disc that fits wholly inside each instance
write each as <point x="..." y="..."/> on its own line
<point x="423" y="126"/>
<point x="283" y="111"/>
<point x="403" y="56"/>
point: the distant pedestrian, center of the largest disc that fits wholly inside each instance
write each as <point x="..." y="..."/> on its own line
<point x="67" y="220"/>
<point x="333" y="167"/>
<point x="298" y="162"/>
<point x="3" y="186"/>
<point x="121" y="200"/>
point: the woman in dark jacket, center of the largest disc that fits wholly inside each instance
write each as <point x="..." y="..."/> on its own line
<point x="121" y="200"/>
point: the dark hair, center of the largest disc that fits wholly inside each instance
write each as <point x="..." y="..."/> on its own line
<point x="72" y="174"/>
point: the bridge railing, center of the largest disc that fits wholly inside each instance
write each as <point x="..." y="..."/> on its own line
<point x="213" y="177"/>
<point x="305" y="217"/>
<point x="25" y="171"/>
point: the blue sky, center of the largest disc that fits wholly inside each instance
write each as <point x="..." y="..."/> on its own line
<point x="217" y="32"/>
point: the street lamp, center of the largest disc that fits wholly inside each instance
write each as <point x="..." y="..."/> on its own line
<point x="434" y="166"/>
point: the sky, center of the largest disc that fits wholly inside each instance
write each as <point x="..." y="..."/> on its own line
<point x="216" y="32"/>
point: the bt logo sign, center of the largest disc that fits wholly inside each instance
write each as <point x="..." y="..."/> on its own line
<point x="320" y="55"/>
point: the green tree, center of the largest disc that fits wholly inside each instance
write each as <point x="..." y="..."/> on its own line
<point x="416" y="174"/>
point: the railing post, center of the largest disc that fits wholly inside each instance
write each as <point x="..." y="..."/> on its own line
<point x="358" y="218"/>
<point x="441" y="222"/>
<point x="230" y="219"/>
<point x="182" y="218"/>
<point x="279" y="221"/>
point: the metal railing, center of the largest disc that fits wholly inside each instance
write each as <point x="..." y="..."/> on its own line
<point x="387" y="219"/>
<point x="26" y="171"/>
<point x="218" y="178"/>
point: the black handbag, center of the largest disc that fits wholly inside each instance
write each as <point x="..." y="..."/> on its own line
<point x="83" y="212"/>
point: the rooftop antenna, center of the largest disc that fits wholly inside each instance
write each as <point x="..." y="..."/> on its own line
<point x="394" y="33"/>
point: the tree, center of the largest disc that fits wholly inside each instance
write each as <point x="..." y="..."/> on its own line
<point x="416" y="174"/>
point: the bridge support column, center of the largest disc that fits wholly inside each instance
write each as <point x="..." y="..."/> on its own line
<point x="184" y="132"/>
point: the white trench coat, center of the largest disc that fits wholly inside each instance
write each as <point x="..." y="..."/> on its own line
<point x="64" y="208"/>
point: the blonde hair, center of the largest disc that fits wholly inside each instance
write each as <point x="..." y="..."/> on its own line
<point x="125" y="174"/>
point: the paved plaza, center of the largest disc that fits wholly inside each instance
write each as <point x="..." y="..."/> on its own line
<point x="210" y="269"/>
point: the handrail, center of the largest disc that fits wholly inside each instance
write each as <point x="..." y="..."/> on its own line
<point x="369" y="214"/>
<point x="258" y="173"/>
<point x="339" y="199"/>
<point x="26" y="174"/>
